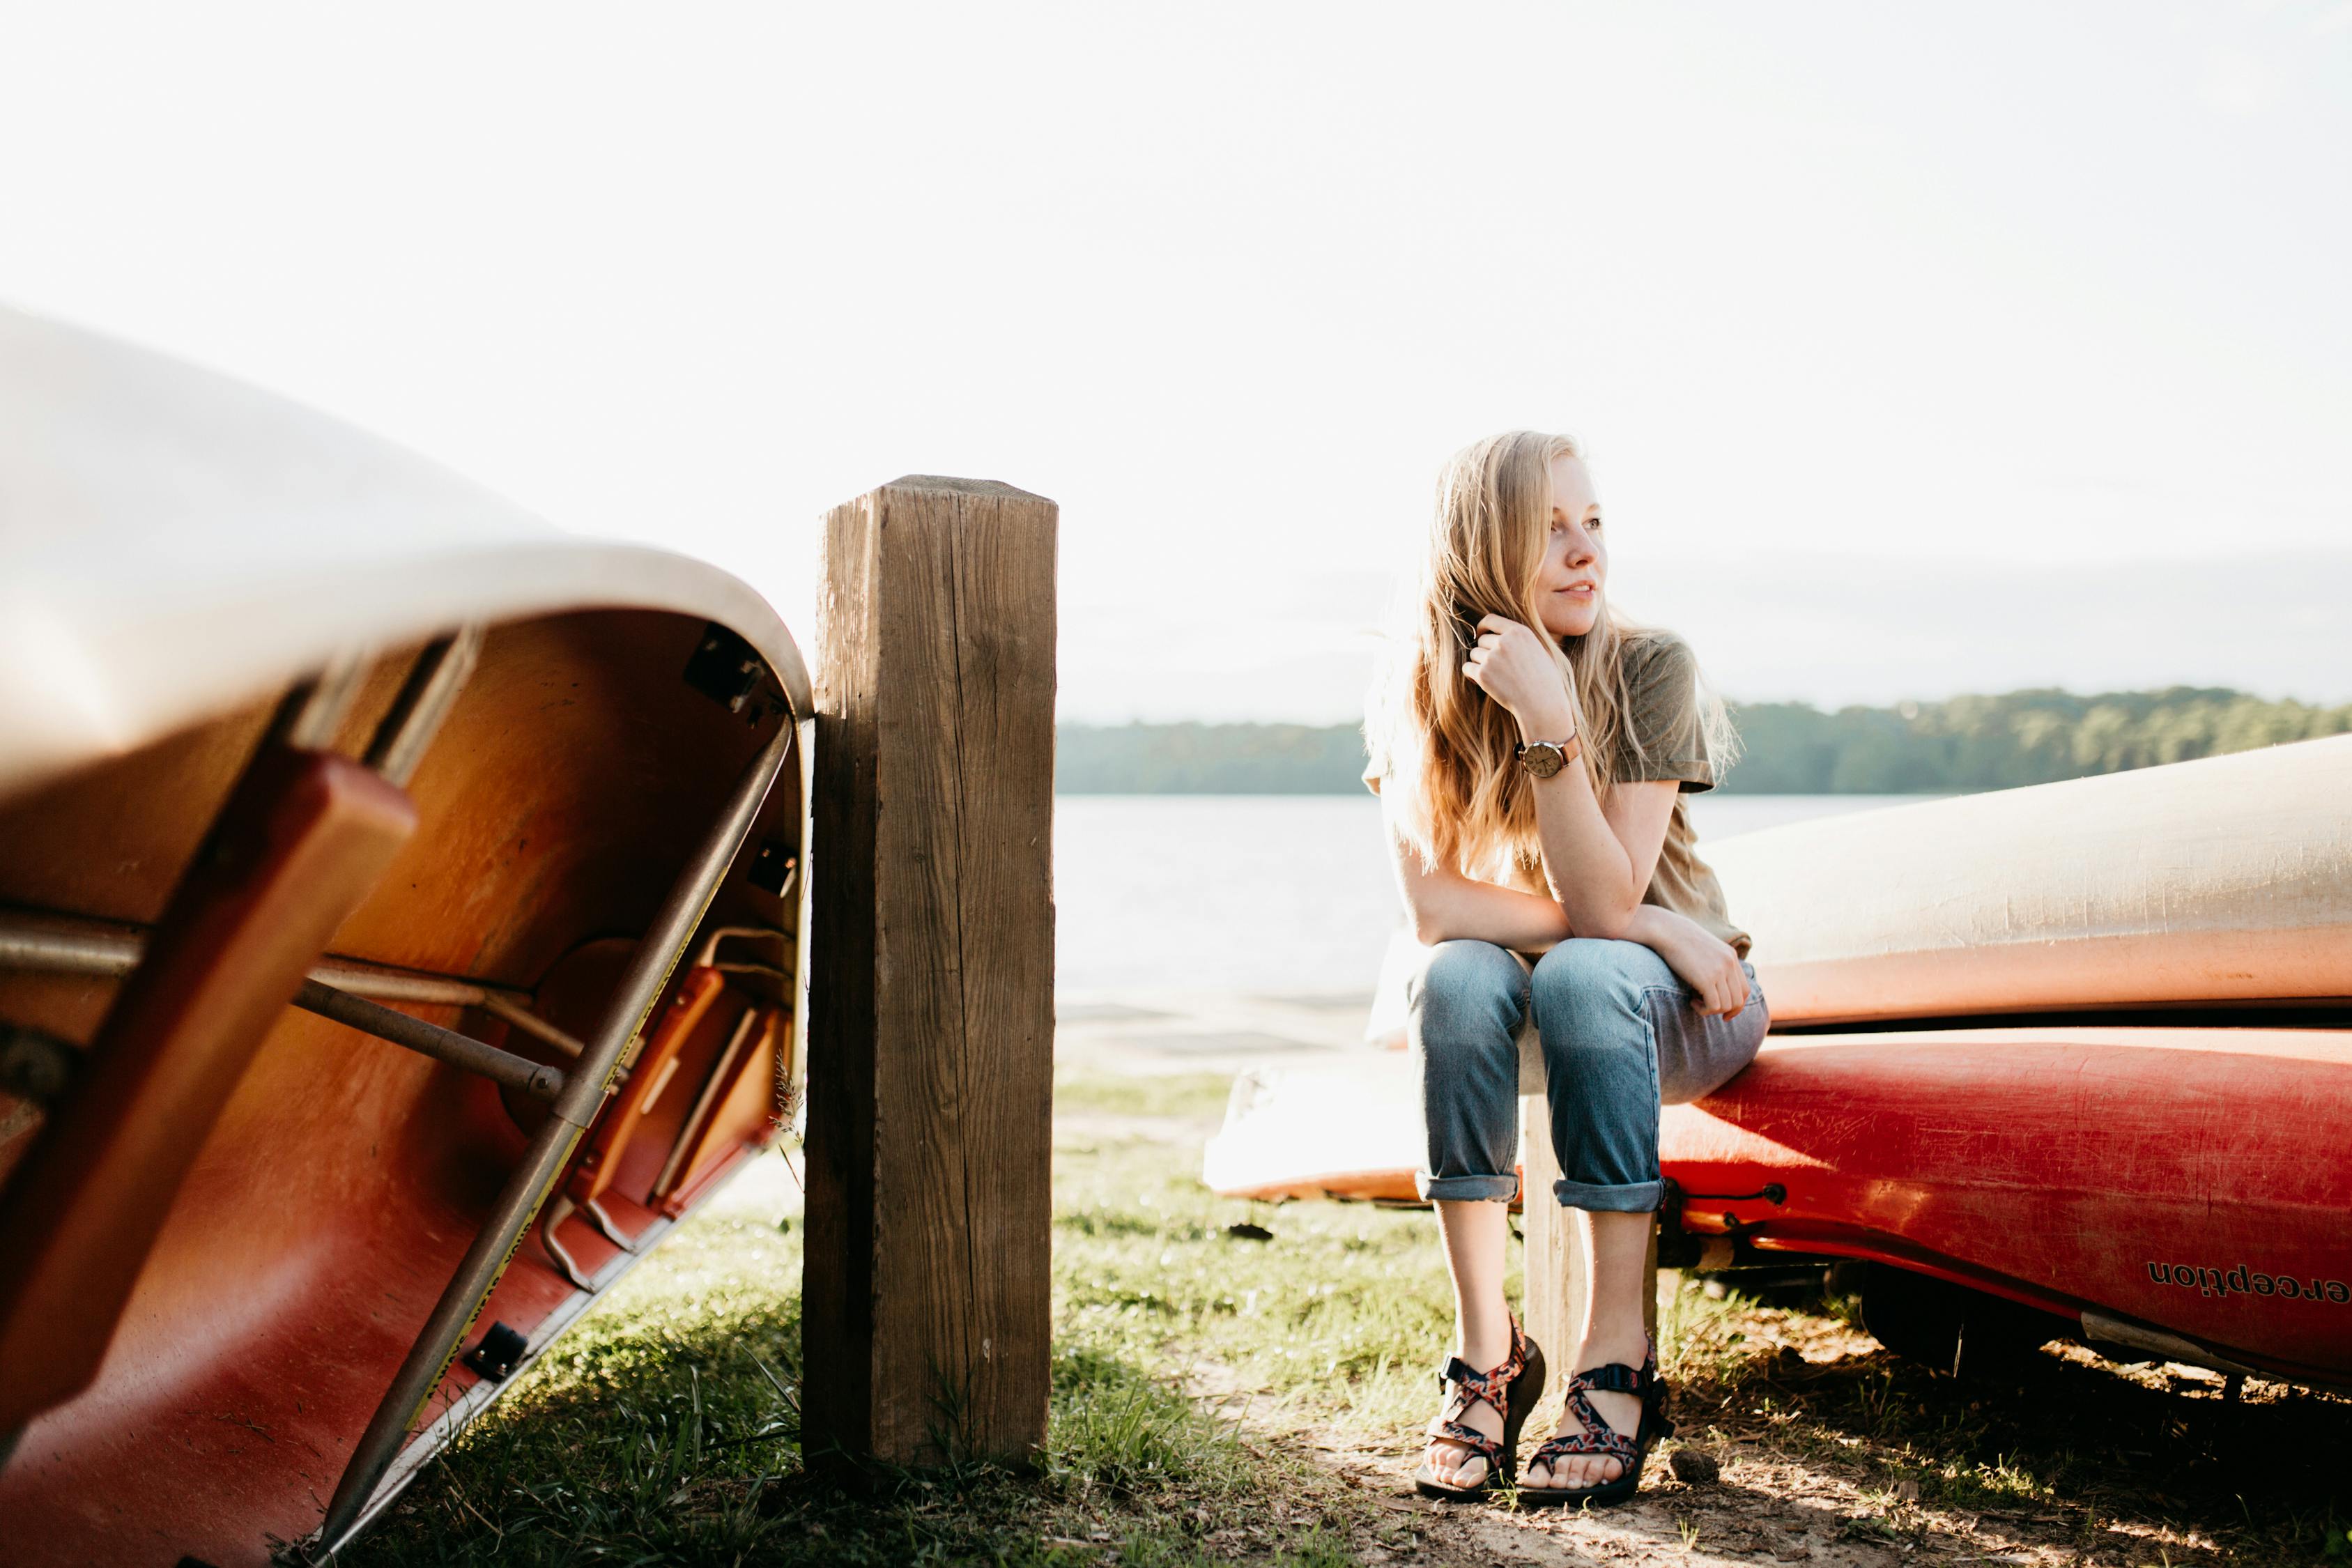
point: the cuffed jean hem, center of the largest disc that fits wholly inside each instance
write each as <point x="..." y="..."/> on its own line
<point x="1456" y="1189"/>
<point x="1630" y="1197"/>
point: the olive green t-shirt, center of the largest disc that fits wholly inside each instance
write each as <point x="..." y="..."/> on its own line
<point x="1662" y="716"/>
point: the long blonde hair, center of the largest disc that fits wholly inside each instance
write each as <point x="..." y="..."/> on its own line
<point x="1438" y="737"/>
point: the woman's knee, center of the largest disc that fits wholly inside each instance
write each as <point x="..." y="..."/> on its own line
<point x="1587" y="993"/>
<point x="1467" y="999"/>
<point x="1587" y="971"/>
<point x="1465" y="973"/>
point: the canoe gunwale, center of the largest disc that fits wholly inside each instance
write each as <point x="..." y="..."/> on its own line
<point x="438" y="1432"/>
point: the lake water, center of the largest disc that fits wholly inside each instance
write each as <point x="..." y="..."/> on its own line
<point x="1277" y="895"/>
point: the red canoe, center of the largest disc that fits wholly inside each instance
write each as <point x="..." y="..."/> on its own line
<point x="2173" y="1191"/>
<point x="512" y="820"/>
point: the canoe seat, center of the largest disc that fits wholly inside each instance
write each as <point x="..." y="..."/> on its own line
<point x="302" y="840"/>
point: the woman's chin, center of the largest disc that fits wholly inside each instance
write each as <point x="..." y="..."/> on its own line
<point x="1571" y="621"/>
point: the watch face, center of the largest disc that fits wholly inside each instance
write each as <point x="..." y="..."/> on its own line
<point x="1542" y="759"/>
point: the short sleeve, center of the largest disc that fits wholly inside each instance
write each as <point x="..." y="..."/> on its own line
<point x="1662" y="716"/>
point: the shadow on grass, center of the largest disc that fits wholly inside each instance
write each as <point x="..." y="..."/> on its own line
<point x="2114" y="1465"/>
<point x="640" y="1441"/>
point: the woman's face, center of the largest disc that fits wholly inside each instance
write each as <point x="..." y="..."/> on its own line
<point x="1575" y="563"/>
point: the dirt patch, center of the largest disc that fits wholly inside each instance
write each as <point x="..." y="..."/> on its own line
<point x="1792" y="1487"/>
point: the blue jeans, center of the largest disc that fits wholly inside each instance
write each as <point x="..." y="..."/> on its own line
<point x="1621" y="1036"/>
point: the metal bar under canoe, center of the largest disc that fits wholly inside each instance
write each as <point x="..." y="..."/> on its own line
<point x="58" y="945"/>
<point x="641" y="987"/>
<point x="534" y="1078"/>
<point x="342" y="989"/>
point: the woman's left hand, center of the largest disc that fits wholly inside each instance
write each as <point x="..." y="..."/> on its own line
<point x="1510" y="664"/>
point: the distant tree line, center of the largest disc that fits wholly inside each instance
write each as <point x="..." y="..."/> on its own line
<point x="1208" y="759"/>
<point x="1789" y="748"/>
<point x="1997" y="742"/>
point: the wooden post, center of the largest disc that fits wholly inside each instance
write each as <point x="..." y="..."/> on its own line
<point x="931" y="1007"/>
<point x="1554" y="1266"/>
<point x="1554" y="1262"/>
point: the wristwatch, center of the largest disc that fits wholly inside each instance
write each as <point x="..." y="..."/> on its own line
<point x="1545" y="758"/>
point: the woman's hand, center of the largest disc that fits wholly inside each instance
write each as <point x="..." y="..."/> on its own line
<point x="1510" y="664"/>
<point x="1700" y="959"/>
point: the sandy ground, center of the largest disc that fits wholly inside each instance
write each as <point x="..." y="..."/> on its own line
<point x="1172" y="1032"/>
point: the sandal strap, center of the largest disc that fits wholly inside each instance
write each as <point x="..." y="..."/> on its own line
<point x="1468" y="1387"/>
<point x="1598" y="1438"/>
<point x="1616" y="1378"/>
<point x="1603" y="1437"/>
<point x="1488" y="1449"/>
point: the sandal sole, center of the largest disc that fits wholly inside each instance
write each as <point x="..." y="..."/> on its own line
<point x="1602" y="1496"/>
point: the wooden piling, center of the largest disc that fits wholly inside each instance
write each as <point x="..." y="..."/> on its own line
<point x="930" y="1009"/>
<point x="1555" y="1282"/>
<point x="1553" y="1260"/>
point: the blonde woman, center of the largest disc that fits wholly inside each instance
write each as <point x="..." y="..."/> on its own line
<point x="1530" y="751"/>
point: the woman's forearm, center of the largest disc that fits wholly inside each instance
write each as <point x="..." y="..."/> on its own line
<point x="1458" y="908"/>
<point x="1655" y="928"/>
<point x="1585" y="865"/>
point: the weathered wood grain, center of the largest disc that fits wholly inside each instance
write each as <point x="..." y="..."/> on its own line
<point x="930" y="1004"/>
<point x="1555" y="1281"/>
<point x="1554" y="1262"/>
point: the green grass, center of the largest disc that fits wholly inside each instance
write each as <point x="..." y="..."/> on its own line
<point x="1342" y="1315"/>
<point x="663" y="1429"/>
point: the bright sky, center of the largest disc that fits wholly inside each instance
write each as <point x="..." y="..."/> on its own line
<point x="1917" y="350"/>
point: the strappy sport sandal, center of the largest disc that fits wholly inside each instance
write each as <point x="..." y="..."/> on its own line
<point x="1511" y="1389"/>
<point x="1599" y="1438"/>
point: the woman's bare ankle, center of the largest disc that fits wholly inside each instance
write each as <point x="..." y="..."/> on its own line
<point x="1483" y="1339"/>
<point x="1600" y="1346"/>
<point x="1484" y="1352"/>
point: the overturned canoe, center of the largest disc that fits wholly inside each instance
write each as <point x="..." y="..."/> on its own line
<point x="2224" y="882"/>
<point x="510" y="819"/>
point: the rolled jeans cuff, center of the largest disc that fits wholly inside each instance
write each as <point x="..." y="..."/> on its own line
<point x="1630" y="1197"/>
<point x="1457" y="1189"/>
